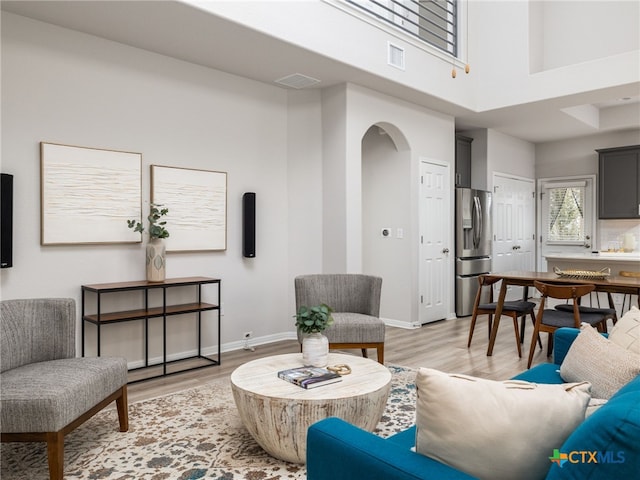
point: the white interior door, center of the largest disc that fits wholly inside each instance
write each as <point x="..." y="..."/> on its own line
<point x="513" y="226"/>
<point x="436" y="249"/>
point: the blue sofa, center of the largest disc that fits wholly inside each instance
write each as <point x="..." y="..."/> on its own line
<point x="337" y="450"/>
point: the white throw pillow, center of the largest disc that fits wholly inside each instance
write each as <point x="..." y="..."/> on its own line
<point x="495" y="430"/>
<point x="626" y="331"/>
<point x="606" y="365"/>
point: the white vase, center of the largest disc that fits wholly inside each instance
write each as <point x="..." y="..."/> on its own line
<point x="156" y="260"/>
<point x="628" y="242"/>
<point x="315" y="350"/>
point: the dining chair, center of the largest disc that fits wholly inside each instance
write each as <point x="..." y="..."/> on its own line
<point x="513" y="309"/>
<point x="626" y="299"/>
<point x="609" y="313"/>
<point x="549" y="320"/>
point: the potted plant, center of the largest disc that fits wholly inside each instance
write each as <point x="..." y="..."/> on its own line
<point x="312" y="321"/>
<point x="155" y="257"/>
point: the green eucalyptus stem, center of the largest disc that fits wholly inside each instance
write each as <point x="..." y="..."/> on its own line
<point x="314" y="319"/>
<point x="157" y="227"/>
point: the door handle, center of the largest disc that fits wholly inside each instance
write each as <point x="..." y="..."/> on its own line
<point x="445" y="250"/>
<point x="477" y="222"/>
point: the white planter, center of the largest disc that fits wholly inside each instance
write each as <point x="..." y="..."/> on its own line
<point x="156" y="260"/>
<point x="315" y="350"/>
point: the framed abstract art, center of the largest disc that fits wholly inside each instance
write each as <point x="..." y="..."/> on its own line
<point x="197" y="203"/>
<point x="87" y="194"/>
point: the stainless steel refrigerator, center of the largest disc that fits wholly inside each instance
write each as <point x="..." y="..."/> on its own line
<point x="473" y="245"/>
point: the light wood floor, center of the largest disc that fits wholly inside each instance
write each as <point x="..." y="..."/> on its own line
<point x="440" y="345"/>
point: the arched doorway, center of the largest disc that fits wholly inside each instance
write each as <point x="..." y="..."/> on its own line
<point x="387" y="223"/>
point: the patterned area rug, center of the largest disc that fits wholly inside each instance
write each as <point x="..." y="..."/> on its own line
<point x="189" y="435"/>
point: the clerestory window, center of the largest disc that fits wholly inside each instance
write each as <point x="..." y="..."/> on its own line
<point x="433" y="21"/>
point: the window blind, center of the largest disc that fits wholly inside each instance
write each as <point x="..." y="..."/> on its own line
<point x="566" y="213"/>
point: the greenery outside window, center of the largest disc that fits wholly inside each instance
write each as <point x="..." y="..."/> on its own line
<point x="566" y="214"/>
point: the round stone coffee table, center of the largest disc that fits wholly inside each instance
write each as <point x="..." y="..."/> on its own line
<point x="278" y="413"/>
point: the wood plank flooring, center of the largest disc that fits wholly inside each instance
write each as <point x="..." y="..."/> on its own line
<point x="440" y="345"/>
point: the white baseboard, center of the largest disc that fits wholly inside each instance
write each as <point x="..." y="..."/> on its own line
<point x="253" y="342"/>
<point x="401" y="324"/>
<point x="213" y="350"/>
<point x="413" y="325"/>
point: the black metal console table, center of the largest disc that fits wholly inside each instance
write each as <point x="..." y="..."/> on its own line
<point x="163" y="310"/>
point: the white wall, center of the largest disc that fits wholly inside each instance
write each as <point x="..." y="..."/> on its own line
<point x="500" y="51"/>
<point x="494" y="152"/>
<point x="576" y="32"/>
<point x="601" y="51"/>
<point x="426" y="134"/>
<point x="334" y="201"/>
<point x="306" y="23"/>
<point x="66" y="87"/>
<point x="510" y="155"/>
<point x="386" y="196"/>
<point x="305" y="183"/>
<point x="578" y="156"/>
<point x="299" y="151"/>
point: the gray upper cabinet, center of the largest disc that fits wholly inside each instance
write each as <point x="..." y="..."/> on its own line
<point x="463" y="161"/>
<point x="619" y="182"/>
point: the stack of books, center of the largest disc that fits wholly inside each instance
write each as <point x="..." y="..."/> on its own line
<point x="309" y="377"/>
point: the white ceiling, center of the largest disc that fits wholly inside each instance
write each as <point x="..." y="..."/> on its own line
<point x="180" y="31"/>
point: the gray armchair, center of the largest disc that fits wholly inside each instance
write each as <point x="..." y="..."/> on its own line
<point x="355" y="299"/>
<point x="46" y="391"/>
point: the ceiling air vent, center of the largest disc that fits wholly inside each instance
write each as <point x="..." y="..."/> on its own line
<point x="395" y="56"/>
<point x="297" y="80"/>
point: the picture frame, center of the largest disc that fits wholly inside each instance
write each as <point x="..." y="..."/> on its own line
<point x="197" y="204"/>
<point x="87" y="195"/>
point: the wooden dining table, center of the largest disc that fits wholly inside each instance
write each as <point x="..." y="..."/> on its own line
<point x="610" y="284"/>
